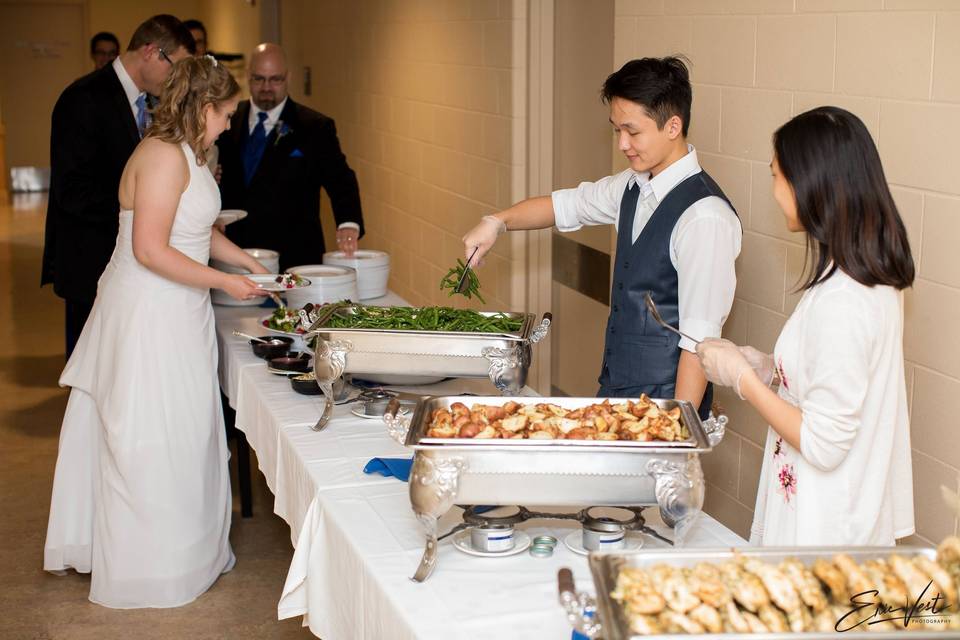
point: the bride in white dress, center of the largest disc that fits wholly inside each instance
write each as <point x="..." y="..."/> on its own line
<point x="141" y="495"/>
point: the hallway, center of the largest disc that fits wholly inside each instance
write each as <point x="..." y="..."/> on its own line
<point x="38" y="605"/>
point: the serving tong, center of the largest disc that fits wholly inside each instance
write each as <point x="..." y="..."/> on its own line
<point x="652" y="308"/>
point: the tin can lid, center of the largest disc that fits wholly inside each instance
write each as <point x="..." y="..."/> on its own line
<point x="541" y="550"/>
<point x="548" y="541"/>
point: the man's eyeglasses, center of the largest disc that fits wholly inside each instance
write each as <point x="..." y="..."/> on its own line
<point x="273" y="80"/>
<point x="163" y="54"/>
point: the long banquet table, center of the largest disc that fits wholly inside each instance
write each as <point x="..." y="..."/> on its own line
<point x="356" y="539"/>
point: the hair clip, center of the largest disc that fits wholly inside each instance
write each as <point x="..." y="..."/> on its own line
<point x="212" y="60"/>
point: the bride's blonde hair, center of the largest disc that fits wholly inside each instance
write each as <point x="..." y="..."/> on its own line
<point x="193" y="84"/>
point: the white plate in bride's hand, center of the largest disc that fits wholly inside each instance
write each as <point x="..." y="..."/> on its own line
<point x="230" y="215"/>
<point x="279" y="282"/>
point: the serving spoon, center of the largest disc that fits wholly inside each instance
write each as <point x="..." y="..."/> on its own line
<point x="240" y="334"/>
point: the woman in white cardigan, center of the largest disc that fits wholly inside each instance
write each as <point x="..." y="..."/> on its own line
<point x="836" y="469"/>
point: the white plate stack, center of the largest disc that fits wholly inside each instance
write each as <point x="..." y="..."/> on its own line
<point x="267" y="257"/>
<point x="328" y="283"/>
<point x="372" y="267"/>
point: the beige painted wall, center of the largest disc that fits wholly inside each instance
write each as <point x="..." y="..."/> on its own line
<point x="423" y="97"/>
<point x="896" y="64"/>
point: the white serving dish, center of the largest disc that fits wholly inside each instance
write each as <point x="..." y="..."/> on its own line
<point x="270" y="260"/>
<point x="328" y="283"/>
<point x="372" y="267"/>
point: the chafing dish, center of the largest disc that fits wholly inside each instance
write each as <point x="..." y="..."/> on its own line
<point x="601" y="616"/>
<point x="503" y="357"/>
<point x="552" y="472"/>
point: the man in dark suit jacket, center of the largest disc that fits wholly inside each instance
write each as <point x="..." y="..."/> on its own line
<point x="275" y="158"/>
<point x="96" y="124"/>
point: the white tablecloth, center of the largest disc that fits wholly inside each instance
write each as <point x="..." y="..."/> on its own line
<point x="357" y="541"/>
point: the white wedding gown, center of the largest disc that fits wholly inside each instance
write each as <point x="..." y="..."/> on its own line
<point x="141" y="495"/>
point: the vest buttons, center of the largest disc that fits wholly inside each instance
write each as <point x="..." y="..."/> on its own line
<point x="626" y="265"/>
<point x="613" y="329"/>
<point x="609" y="352"/>
<point x="616" y="308"/>
<point x="620" y="286"/>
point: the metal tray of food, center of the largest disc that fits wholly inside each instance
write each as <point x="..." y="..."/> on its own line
<point x="548" y="473"/>
<point x="504" y="358"/>
<point x="417" y="438"/>
<point x="526" y="328"/>
<point x="615" y="623"/>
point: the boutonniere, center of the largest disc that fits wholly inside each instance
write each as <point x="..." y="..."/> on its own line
<point x="282" y="129"/>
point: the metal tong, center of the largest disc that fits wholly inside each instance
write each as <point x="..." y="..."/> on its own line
<point x="656" y="316"/>
<point x="462" y="283"/>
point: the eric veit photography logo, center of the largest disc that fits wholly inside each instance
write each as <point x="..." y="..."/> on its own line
<point x="929" y="608"/>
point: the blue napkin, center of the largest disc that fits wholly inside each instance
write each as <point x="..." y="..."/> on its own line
<point x="396" y="467"/>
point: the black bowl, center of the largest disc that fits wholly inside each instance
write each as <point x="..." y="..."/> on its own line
<point x="293" y="361"/>
<point x="306" y="387"/>
<point x="268" y="351"/>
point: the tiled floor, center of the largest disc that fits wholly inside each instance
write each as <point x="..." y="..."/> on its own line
<point x="34" y="604"/>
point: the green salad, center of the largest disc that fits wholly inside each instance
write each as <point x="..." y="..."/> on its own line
<point x="423" y="319"/>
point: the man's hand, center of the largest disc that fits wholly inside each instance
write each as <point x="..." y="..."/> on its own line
<point x="347" y="240"/>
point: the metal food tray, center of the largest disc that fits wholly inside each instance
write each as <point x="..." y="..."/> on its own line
<point x="503" y="357"/>
<point x="459" y="471"/>
<point x="417" y="438"/>
<point x="605" y="567"/>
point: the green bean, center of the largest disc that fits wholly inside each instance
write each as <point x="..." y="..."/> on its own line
<point x="452" y="278"/>
<point x="423" y="319"/>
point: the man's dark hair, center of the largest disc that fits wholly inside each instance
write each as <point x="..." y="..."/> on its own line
<point x="103" y="36"/>
<point x="843" y="201"/>
<point x="660" y="85"/>
<point x="166" y="32"/>
<point x="194" y="24"/>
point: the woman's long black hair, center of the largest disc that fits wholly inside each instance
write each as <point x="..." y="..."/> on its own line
<point x="843" y="201"/>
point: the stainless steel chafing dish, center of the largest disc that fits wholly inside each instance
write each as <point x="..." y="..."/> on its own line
<point x="503" y="357"/>
<point x="613" y="623"/>
<point x="552" y="472"/>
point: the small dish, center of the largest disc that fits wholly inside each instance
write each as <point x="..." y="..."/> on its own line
<point x="293" y="362"/>
<point x="305" y="384"/>
<point x="461" y="542"/>
<point x="574" y="542"/>
<point x="268" y="351"/>
<point x="406" y="406"/>
<point x="279" y="282"/>
<point x="230" y="215"/>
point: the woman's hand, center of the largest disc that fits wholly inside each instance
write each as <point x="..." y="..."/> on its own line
<point x="762" y="363"/>
<point x="241" y="287"/>
<point x="723" y="363"/>
<point x="482" y="237"/>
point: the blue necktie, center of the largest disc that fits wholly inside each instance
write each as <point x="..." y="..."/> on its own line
<point x="142" y="113"/>
<point x="256" y="143"/>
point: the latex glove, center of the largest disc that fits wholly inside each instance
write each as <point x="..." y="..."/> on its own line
<point x="761" y="363"/>
<point x="484" y="235"/>
<point x="723" y="363"/>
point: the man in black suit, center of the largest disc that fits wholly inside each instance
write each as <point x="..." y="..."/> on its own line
<point x="275" y="158"/>
<point x="96" y="124"/>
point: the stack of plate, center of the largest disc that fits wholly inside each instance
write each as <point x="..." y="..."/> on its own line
<point x="268" y="258"/>
<point x="328" y="283"/>
<point x="373" y="270"/>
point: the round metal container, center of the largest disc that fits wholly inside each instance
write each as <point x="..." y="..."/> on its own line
<point x="541" y="550"/>
<point x="602" y="534"/>
<point x="546" y="541"/>
<point x="492" y="538"/>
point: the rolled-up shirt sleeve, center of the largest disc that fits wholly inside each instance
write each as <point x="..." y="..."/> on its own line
<point x="704" y="252"/>
<point x="836" y="354"/>
<point x="590" y="203"/>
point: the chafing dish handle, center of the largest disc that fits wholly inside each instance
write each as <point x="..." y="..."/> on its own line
<point x="397" y="425"/>
<point x="541" y="331"/>
<point x="715" y="426"/>
<point x="581" y="608"/>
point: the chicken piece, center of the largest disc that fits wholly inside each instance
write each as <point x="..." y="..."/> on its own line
<point x="644" y="625"/>
<point x="806" y="584"/>
<point x="756" y="626"/>
<point x="672" y="585"/>
<point x="707" y="585"/>
<point x="828" y="573"/>
<point x="825" y="621"/>
<point x="890" y="589"/>
<point x="856" y="580"/>
<point x="707" y="617"/>
<point x="745" y="587"/>
<point x="773" y="619"/>
<point x="636" y="591"/>
<point x="733" y="619"/>
<point x="914" y="581"/>
<point x="778" y="586"/>
<point x="939" y="575"/>
<point x="948" y="556"/>
<point x="675" y="622"/>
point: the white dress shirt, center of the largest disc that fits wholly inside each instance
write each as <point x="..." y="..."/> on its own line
<point x="129" y="88"/>
<point x="704" y="244"/>
<point x="840" y="358"/>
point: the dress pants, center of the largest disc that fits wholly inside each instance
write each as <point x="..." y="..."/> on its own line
<point x="76" y="316"/>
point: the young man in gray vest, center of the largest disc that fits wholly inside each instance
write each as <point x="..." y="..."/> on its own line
<point x="677" y="236"/>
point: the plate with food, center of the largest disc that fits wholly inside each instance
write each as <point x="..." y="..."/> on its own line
<point x="283" y="320"/>
<point x="279" y="282"/>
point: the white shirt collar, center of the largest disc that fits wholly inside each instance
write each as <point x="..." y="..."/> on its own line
<point x="273" y="115"/>
<point x="666" y="180"/>
<point x="129" y="87"/>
